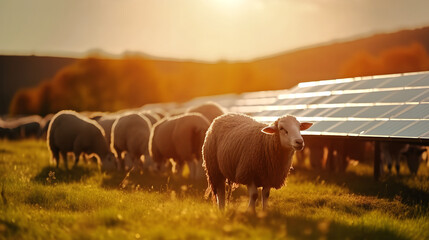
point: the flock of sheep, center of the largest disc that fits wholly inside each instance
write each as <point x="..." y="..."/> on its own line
<point x="227" y="147"/>
<point x="224" y="147"/>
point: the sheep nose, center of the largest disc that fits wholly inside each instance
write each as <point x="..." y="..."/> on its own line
<point x="299" y="141"/>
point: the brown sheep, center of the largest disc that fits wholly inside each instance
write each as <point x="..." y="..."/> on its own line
<point x="130" y="134"/>
<point x="241" y="150"/>
<point x="210" y="110"/>
<point x="180" y="138"/>
<point x="70" y="132"/>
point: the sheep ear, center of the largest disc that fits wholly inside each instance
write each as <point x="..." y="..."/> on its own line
<point x="270" y="130"/>
<point x="305" y="126"/>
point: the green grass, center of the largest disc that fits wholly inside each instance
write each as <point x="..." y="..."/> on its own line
<point x="47" y="203"/>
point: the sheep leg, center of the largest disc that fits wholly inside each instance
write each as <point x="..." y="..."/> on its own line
<point x="253" y="196"/>
<point x="179" y="168"/>
<point x="136" y="162"/>
<point x="56" y="157"/>
<point x="76" y="158"/>
<point x="220" y="195"/>
<point x="265" y="196"/>
<point x="148" y="162"/>
<point x="65" y="158"/>
<point x="397" y="162"/>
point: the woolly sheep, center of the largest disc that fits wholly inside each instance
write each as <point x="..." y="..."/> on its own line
<point x="130" y="134"/>
<point x="180" y="138"/>
<point x="210" y="110"/>
<point x="241" y="150"/>
<point x="71" y="132"/>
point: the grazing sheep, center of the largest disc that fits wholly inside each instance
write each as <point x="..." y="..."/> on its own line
<point x="180" y="138"/>
<point x="130" y="134"/>
<point x="241" y="150"/>
<point x="71" y="132"/>
<point x="210" y="110"/>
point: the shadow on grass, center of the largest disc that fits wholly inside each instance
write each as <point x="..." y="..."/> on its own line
<point x="58" y="175"/>
<point x="389" y="187"/>
<point x="8" y="229"/>
<point x="148" y="181"/>
<point x="303" y="228"/>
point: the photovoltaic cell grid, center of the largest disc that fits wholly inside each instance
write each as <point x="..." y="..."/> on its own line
<point x="389" y="106"/>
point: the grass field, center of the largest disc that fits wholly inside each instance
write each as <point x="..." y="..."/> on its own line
<point x="41" y="202"/>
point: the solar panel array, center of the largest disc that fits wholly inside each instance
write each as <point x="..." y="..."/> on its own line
<point x="389" y="106"/>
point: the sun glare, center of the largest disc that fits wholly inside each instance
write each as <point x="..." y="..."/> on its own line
<point x="229" y="4"/>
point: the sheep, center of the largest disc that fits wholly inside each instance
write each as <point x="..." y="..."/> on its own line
<point x="69" y="131"/>
<point x="130" y="134"/>
<point x="180" y="138"/>
<point x="241" y="150"/>
<point x="210" y="110"/>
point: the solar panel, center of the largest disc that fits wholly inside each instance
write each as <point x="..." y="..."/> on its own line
<point x="344" y="86"/>
<point x="413" y="130"/>
<point x="425" y="135"/>
<point x="307" y="100"/>
<point x="345" y="112"/>
<point x="382" y="107"/>
<point x="312" y="89"/>
<point x="322" y="126"/>
<point x="377" y="111"/>
<point x="424" y="81"/>
<point x="316" y="112"/>
<point x="386" y="129"/>
<point x="349" y="127"/>
<point x="373" y="97"/>
<point x="344" y="98"/>
<point x="401" y="81"/>
<point x="369" y="84"/>
<point x="415" y="112"/>
<point x="408" y="95"/>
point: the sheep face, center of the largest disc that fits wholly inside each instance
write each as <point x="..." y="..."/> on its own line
<point x="108" y="163"/>
<point x="288" y="130"/>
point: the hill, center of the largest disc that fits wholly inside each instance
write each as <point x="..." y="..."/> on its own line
<point x="134" y="80"/>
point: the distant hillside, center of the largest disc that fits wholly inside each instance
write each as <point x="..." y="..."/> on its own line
<point x="25" y="71"/>
<point x="328" y="61"/>
<point x="112" y="84"/>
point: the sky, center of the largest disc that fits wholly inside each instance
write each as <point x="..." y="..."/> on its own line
<point x="207" y="30"/>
